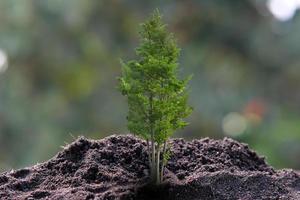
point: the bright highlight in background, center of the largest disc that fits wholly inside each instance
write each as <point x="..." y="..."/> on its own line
<point x="283" y="9"/>
<point x="3" y="61"/>
<point x="234" y="124"/>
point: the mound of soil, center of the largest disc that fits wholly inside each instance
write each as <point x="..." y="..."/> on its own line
<point x="116" y="168"/>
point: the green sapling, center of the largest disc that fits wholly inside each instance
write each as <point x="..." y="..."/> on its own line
<point x="157" y="99"/>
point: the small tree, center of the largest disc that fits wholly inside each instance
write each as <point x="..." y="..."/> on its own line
<point x="157" y="100"/>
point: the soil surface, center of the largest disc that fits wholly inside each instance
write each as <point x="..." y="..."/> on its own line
<point x="116" y="168"/>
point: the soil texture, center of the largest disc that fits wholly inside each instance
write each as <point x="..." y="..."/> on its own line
<point x="116" y="167"/>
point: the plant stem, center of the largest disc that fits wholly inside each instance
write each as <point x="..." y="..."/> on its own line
<point x="153" y="164"/>
<point x="158" y="165"/>
<point x="163" y="162"/>
<point x="149" y="153"/>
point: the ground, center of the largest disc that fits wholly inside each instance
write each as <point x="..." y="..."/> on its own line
<point x="116" y="168"/>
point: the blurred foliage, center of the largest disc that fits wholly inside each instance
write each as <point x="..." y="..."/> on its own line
<point x="63" y="60"/>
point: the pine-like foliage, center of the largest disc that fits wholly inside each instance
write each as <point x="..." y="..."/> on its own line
<point x="157" y="99"/>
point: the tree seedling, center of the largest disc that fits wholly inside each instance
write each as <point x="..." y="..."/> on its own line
<point x="157" y="99"/>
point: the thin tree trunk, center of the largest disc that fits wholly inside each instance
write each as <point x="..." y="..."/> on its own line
<point x="153" y="164"/>
<point x="149" y="152"/>
<point x="158" y="165"/>
<point x="163" y="162"/>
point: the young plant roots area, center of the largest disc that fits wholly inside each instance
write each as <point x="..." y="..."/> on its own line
<point x="117" y="167"/>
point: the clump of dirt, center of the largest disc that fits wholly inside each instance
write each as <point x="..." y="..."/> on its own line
<point x="116" y="168"/>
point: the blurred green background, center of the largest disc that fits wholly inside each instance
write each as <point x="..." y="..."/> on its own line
<point x="59" y="61"/>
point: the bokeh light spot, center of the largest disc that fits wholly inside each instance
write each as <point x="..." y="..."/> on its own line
<point x="234" y="124"/>
<point x="283" y="10"/>
<point x="3" y="61"/>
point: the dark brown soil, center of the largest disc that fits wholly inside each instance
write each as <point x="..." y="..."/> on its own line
<point x="116" y="168"/>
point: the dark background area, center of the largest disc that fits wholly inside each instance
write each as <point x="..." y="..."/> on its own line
<point x="59" y="61"/>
